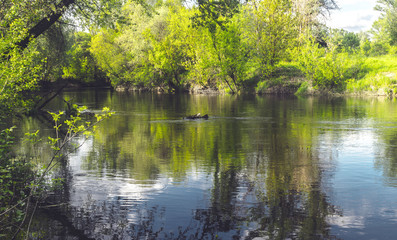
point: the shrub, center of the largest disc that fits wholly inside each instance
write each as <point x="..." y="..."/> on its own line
<point x="378" y="49"/>
<point x="327" y="68"/>
<point x="303" y="89"/>
<point x="261" y="87"/>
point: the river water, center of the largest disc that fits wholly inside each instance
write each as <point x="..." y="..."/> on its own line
<point x="261" y="167"/>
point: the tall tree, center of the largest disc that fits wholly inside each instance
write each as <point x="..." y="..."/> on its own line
<point x="271" y="28"/>
<point x="22" y="22"/>
<point x="309" y="11"/>
<point x="386" y="25"/>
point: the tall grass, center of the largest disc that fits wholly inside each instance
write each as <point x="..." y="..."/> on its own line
<point x="378" y="75"/>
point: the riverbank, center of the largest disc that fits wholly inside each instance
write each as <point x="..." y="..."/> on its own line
<point x="375" y="76"/>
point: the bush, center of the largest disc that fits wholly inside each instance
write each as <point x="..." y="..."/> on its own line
<point x="261" y="87"/>
<point x="303" y="89"/>
<point x="378" y="49"/>
<point x="16" y="179"/>
<point x="23" y="184"/>
<point x="365" y="47"/>
<point x="327" y="68"/>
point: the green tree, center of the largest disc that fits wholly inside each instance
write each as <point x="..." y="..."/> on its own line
<point x="343" y="40"/>
<point x="21" y="24"/>
<point x="272" y="30"/>
<point x="81" y="64"/>
<point x="109" y="56"/>
<point x="386" y="25"/>
<point x="170" y="46"/>
<point x="232" y="52"/>
<point x="18" y="79"/>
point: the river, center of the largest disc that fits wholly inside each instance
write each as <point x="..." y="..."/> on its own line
<point x="261" y="167"/>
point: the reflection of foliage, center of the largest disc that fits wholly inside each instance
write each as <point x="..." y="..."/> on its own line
<point x="261" y="159"/>
<point x="24" y="185"/>
<point x="264" y="165"/>
<point x="272" y="163"/>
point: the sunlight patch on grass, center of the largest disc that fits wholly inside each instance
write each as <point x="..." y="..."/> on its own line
<point x="379" y="74"/>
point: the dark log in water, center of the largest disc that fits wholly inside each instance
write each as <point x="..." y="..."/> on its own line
<point x="197" y="116"/>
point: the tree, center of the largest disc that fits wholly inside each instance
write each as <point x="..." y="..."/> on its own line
<point x="343" y="40"/>
<point x="22" y="23"/>
<point x="81" y="65"/>
<point x="36" y="17"/>
<point x="232" y="54"/>
<point x="228" y="50"/>
<point x="170" y="46"/>
<point x="272" y="30"/>
<point x="215" y="12"/>
<point x="18" y="78"/>
<point x="386" y="26"/>
<point x="109" y="55"/>
<point x="309" y="12"/>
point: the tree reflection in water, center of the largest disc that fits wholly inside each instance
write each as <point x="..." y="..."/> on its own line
<point x="253" y="173"/>
<point x="239" y="207"/>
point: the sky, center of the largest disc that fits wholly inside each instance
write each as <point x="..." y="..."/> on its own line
<point x="354" y="15"/>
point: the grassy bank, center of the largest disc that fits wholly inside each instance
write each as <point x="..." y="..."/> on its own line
<point x="379" y="77"/>
<point x="358" y="75"/>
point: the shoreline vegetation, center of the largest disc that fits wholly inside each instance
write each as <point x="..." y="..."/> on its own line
<point x="172" y="46"/>
<point x="379" y="78"/>
<point x="169" y="46"/>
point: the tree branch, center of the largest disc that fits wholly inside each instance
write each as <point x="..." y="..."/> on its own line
<point x="45" y="23"/>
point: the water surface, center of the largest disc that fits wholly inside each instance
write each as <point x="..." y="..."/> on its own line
<point x="261" y="167"/>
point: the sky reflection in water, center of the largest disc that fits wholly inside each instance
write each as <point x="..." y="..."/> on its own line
<point x="264" y="167"/>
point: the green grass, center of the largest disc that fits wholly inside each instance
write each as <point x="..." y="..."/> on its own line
<point x="363" y="75"/>
<point x="377" y="75"/>
<point x="286" y="76"/>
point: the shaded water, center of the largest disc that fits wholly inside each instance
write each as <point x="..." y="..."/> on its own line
<point x="258" y="168"/>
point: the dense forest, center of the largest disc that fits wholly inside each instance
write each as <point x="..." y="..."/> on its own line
<point x="173" y="46"/>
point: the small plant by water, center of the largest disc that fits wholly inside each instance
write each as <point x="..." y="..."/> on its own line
<point x="24" y="184"/>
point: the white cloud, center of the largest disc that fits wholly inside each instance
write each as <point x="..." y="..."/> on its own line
<point x="354" y="15"/>
<point x="347" y="221"/>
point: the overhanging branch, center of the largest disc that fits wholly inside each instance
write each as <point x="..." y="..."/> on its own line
<point x="45" y="23"/>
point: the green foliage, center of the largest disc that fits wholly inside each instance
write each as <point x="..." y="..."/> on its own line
<point x="22" y="182"/>
<point x="52" y="47"/>
<point x="232" y="51"/>
<point x="16" y="178"/>
<point x="343" y="40"/>
<point x="303" y="89"/>
<point x="110" y="58"/>
<point x="170" y="47"/>
<point x="215" y="13"/>
<point x="271" y="29"/>
<point x="385" y="28"/>
<point x="81" y="65"/>
<point x="261" y="87"/>
<point x="378" y="76"/>
<point x="125" y="54"/>
<point x="327" y="68"/>
<point x="379" y="49"/>
<point x="365" y="47"/>
<point x="18" y="79"/>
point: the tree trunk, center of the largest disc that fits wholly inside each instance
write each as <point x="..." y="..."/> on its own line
<point x="45" y="23"/>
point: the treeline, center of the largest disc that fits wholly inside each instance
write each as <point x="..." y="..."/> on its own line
<point x="233" y="46"/>
<point x="175" y="45"/>
<point x="226" y="45"/>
